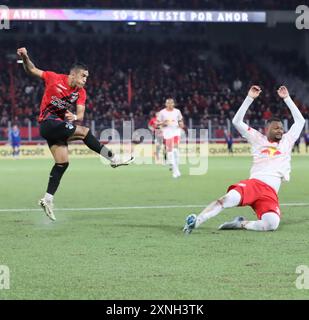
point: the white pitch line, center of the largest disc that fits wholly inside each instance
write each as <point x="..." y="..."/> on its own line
<point x="297" y="204"/>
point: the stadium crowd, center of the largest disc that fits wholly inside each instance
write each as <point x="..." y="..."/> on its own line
<point x="208" y="83"/>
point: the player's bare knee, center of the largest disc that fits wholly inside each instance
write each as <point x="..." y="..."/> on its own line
<point x="86" y="130"/>
<point x="82" y="131"/>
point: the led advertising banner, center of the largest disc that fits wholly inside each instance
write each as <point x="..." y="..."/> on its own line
<point x="133" y="15"/>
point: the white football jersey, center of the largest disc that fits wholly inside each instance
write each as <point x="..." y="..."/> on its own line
<point x="172" y="129"/>
<point x="270" y="158"/>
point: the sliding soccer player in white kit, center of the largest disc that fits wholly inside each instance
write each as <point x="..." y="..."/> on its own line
<point x="271" y="165"/>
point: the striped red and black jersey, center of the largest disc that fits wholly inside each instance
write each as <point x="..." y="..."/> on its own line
<point x="59" y="97"/>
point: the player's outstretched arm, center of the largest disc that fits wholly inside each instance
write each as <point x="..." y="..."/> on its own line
<point x="28" y="64"/>
<point x="238" y="120"/>
<point x="299" y="120"/>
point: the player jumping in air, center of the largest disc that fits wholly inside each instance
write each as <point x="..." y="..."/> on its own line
<point x="62" y="94"/>
<point x="271" y="165"/>
<point x="171" y="121"/>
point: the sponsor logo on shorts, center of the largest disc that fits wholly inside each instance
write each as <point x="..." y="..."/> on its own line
<point x="69" y="125"/>
<point x="242" y="184"/>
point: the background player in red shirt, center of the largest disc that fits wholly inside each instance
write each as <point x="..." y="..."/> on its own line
<point x="158" y="136"/>
<point x="63" y="94"/>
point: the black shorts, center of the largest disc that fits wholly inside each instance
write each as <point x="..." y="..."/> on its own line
<point x="57" y="132"/>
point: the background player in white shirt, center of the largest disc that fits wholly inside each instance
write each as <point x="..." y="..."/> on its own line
<point x="271" y="165"/>
<point x="171" y="121"/>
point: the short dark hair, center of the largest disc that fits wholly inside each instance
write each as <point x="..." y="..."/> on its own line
<point x="79" y="66"/>
<point x="273" y="119"/>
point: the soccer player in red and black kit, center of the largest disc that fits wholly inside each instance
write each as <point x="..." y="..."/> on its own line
<point x="62" y="94"/>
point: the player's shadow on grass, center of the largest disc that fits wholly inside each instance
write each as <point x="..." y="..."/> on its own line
<point x="171" y="229"/>
<point x="167" y="228"/>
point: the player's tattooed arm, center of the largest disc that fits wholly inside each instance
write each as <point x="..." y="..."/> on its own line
<point x="29" y="67"/>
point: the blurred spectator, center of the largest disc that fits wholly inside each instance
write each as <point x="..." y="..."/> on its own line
<point x="237" y="84"/>
<point x="229" y="142"/>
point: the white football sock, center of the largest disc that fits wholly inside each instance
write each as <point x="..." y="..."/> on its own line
<point x="231" y="199"/>
<point x="49" y="197"/>
<point x="269" y="222"/>
<point x="212" y="210"/>
<point x="176" y="156"/>
<point x="171" y="159"/>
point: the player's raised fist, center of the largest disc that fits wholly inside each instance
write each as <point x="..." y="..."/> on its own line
<point x="254" y="92"/>
<point x="283" y="92"/>
<point x="22" y="52"/>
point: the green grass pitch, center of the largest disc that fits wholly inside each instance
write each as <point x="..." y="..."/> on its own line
<point x="142" y="253"/>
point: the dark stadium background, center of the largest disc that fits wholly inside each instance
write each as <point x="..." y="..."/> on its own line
<point x="207" y="67"/>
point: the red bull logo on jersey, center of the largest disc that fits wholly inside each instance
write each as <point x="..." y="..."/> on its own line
<point x="271" y="151"/>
